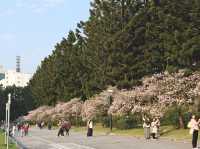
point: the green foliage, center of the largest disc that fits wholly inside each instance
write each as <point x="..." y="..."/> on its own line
<point x="171" y="117"/>
<point x="21" y="101"/>
<point x="122" y="122"/>
<point x="78" y="122"/>
<point x="125" y="123"/>
<point x="125" y="84"/>
<point x="105" y="121"/>
<point x="187" y="72"/>
<point x="172" y="69"/>
<point x="122" y="41"/>
<point x="3" y="145"/>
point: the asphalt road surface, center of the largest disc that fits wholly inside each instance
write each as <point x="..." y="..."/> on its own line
<point x="45" y="139"/>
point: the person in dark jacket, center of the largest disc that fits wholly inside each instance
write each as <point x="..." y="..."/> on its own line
<point x="66" y="127"/>
<point x="49" y="125"/>
<point x="60" y="130"/>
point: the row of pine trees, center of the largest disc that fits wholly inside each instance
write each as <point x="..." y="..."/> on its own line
<point x="122" y="41"/>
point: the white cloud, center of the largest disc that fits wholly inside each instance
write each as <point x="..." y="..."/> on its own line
<point x="39" y="6"/>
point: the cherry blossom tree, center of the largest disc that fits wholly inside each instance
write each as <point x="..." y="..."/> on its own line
<point x="154" y="97"/>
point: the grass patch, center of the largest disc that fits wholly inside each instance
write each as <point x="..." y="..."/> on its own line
<point x="173" y="133"/>
<point x="2" y="145"/>
<point x="99" y="129"/>
<point x="165" y="131"/>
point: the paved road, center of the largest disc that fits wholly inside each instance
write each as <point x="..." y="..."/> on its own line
<point x="45" y="139"/>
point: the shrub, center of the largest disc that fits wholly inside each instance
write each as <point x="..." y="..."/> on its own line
<point x="171" y="117"/>
<point x="105" y="121"/>
<point x="171" y="69"/>
<point x="126" y="84"/>
<point x="187" y="72"/>
<point x="126" y="122"/>
<point x="77" y="121"/>
<point x="122" y="122"/>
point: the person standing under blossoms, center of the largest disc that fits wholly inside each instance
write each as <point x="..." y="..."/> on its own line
<point x="154" y="128"/>
<point x="194" y="129"/>
<point x="49" y="125"/>
<point x="158" y="127"/>
<point x="90" y="128"/>
<point x="146" y="126"/>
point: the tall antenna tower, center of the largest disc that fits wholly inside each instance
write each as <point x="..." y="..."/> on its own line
<point x="18" y="69"/>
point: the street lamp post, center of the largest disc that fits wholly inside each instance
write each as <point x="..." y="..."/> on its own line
<point x="6" y="123"/>
<point x="8" y="119"/>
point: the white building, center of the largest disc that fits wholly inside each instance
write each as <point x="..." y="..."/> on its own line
<point x="2" y="72"/>
<point x="11" y="77"/>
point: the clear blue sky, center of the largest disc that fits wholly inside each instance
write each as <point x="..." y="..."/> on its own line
<point x="31" y="28"/>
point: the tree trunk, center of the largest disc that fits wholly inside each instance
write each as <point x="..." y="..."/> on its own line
<point x="181" y="123"/>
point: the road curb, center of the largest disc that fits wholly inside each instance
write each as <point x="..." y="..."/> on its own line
<point x="18" y="144"/>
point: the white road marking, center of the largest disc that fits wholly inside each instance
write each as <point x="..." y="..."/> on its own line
<point x="59" y="146"/>
<point x="80" y="146"/>
<point x="55" y="145"/>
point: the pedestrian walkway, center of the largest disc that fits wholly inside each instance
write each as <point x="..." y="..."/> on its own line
<point x="45" y="139"/>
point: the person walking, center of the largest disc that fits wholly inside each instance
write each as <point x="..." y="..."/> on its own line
<point x="22" y="130"/>
<point x="39" y="124"/>
<point x="146" y="126"/>
<point x="194" y="129"/>
<point x="26" y="129"/>
<point x="13" y="130"/>
<point x="42" y="124"/>
<point x="19" y="125"/>
<point x="60" y="130"/>
<point x="90" y="128"/>
<point x="66" y="127"/>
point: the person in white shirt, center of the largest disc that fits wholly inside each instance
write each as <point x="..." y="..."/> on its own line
<point x="158" y="127"/>
<point x="154" y="128"/>
<point x="194" y="129"/>
<point x="13" y="130"/>
<point x="90" y="128"/>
